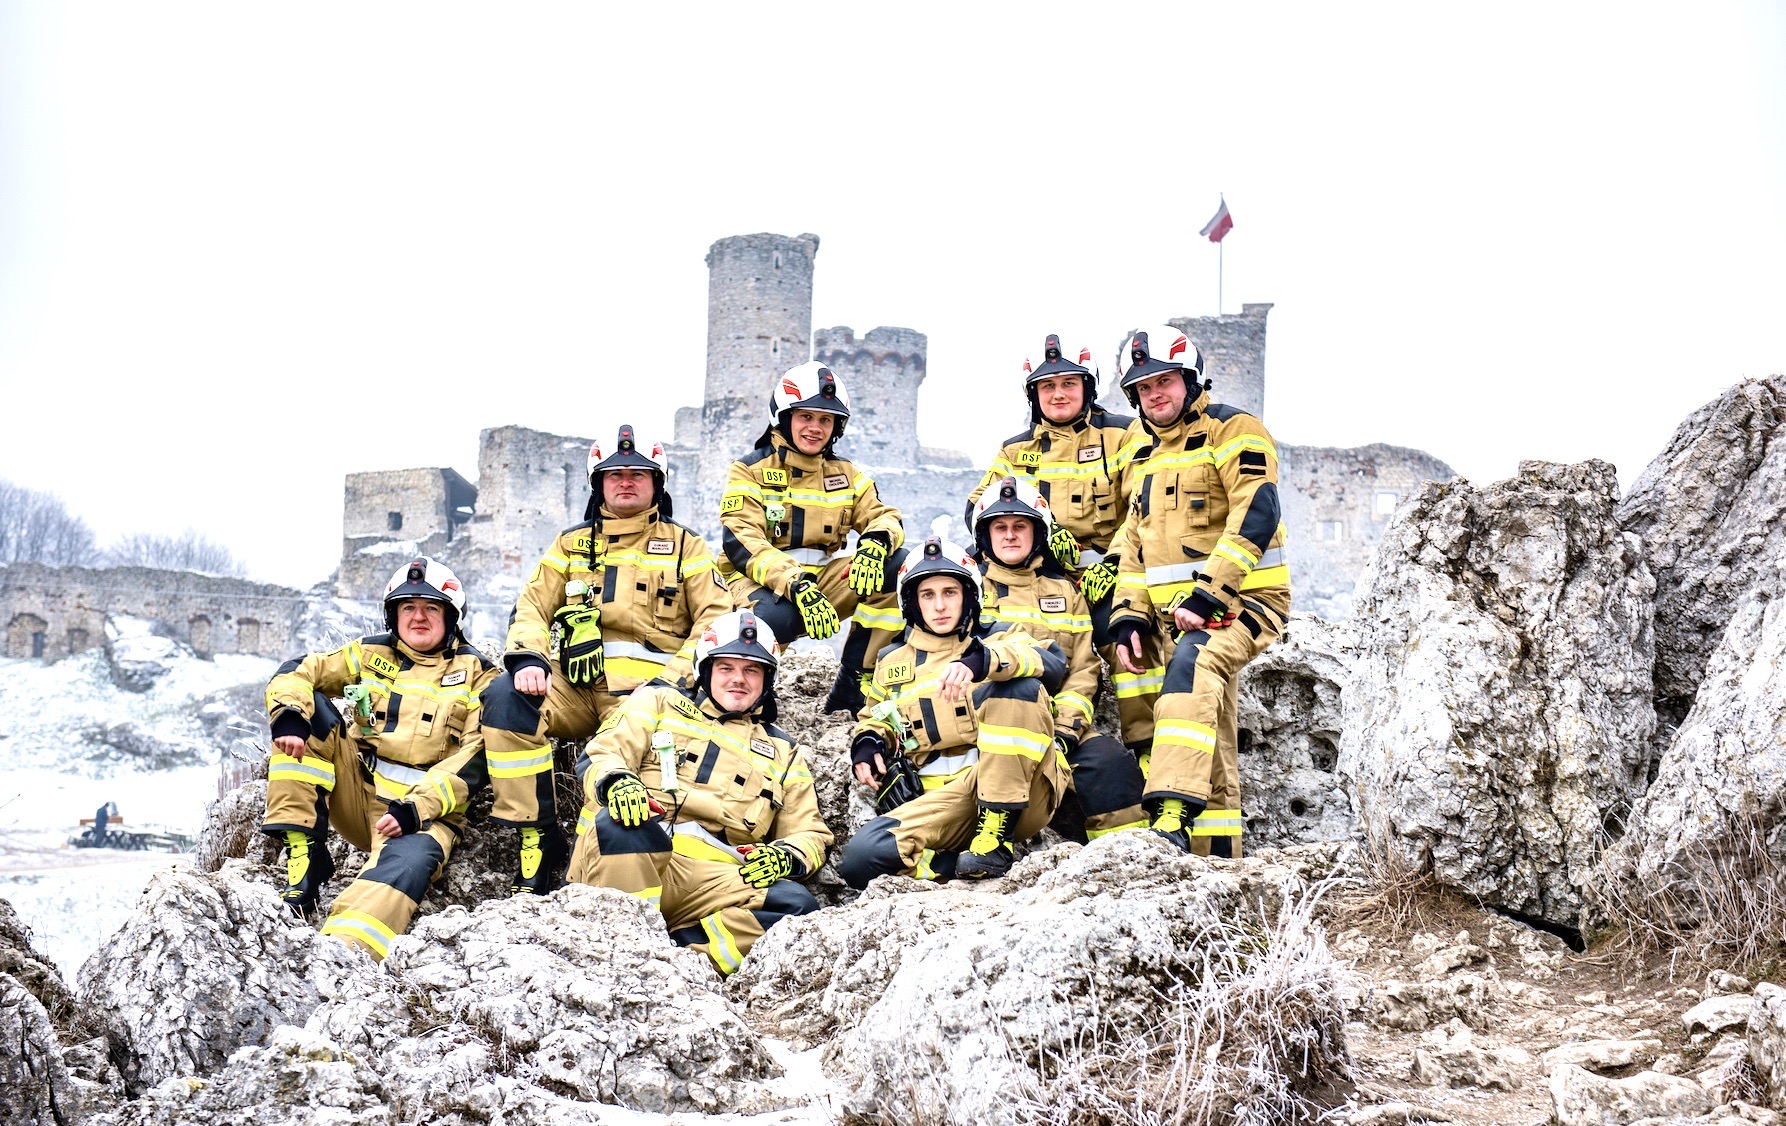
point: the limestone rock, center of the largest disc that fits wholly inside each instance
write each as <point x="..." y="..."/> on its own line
<point x="1581" y="1098"/>
<point x="1290" y="723"/>
<point x="1708" y="511"/>
<point x="1767" y="1040"/>
<point x="1499" y="717"/>
<point x="1604" y="1055"/>
<point x="1716" y="1014"/>
<point x="1448" y="1056"/>
<point x="33" y="972"/>
<point x="231" y="829"/>
<point x="1415" y="1006"/>
<point x="208" y="963"/>
<point x="1726" y="766"/>
<point x="1094" y="942"/>
<point x="34" y="1086"/>
<point x="136" y="655"/>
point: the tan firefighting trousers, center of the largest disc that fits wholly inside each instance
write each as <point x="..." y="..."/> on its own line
<point x="517" y="728"/>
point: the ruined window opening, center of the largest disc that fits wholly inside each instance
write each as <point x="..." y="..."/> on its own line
<point x="393" y="521"/>
<point x="247" y="635"/>
<point x="777" y="257"/>
<point x="1386" y="502"/>
<point x="77" y="640"/>
<point x="37" y="643"/>
<point x="1333" y="531"/>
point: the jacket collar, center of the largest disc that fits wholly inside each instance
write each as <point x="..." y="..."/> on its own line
<point x="616" y="527"/>
<point x="927" y="642"/>
<point x="790" y="454"/>
<point x="1194" y="410"/>
<point x="1014" y="576"/>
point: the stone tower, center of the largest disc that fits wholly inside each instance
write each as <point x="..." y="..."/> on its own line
<point x="759" y="324"/>
<point x="881" y="372"/>
<point x="1233" y="355"/>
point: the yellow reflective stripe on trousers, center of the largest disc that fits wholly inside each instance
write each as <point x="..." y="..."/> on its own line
<point x="697" y="843"/>
<point x="994" y="740"/>
<point x="369" y="929"/>
<point x="653" y="896"/>
<point x="524" y="763"/>
<point x="948" y="765"/>
<point x="314" y="770"/>
<point x="1184" y="733"/>
<point x="391" y="780"/>
<point x="1145" y="683"/>
<point x="1217" y="823"/>
<point x="868" y="617"/>
<point x="721" y="946"/>
<point x="925" y="869"/>
<point x="585" y="820"/>
<point x="1094" y="834"/>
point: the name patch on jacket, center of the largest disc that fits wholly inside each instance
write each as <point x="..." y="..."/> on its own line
<point x="897" y="672"/>
<point x="838" y="481"/>
<point x="660" y="547"/>
<point x="763" y="747"/>
<point x="1054" y="605"/>
<point x="1029" y="457"/>
<point x="381" y="664"/>
<point x="452" y="678"/>
<point x="775" y="476"/>
<point x="1090" y="453"/>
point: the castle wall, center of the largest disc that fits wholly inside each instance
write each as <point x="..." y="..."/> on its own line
<point x="1233" y="348"/>
<point x="1336" y="503"/>
<point x="532" y="485"/>
<point x="406" y="503"/>
<point x="881" y="373"/>
<point x="52" y="612"/>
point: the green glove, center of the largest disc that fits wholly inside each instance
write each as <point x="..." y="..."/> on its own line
<point x="816" y="612"/>
<point x="1099" y="579"/>
<point x="868" y="567"/>
<point x="580" y="645"/>
<point x="1065" y="546"/>
<point x="629" y="803"/>
<point x="766" y="864"/>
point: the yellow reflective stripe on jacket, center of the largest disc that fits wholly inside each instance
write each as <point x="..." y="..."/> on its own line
<point x="1222" y="455"/>
<point x="1217" y="823"/>
<point x="1184" y="733"/>
<point x="997" y="740"/>
<point x="522" y="763"/>
<point x="312" y="769"/>
<point x="676" y="721"/>
<point x="1059" y="623"/>
<point x="392" y="780"/>
<point x="369" y="929"/>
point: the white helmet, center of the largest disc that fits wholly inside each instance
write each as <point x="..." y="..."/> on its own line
<point x="1059" y="360"/>
<point x="630" y="452"/>
<point x="940" y="557"/>
<point x="428" y="579"/>
<point x="1146" y="352"/>
<point x="1011" y="497"/>
<point x="739" y="634"/>
<point x="809" y="387"/>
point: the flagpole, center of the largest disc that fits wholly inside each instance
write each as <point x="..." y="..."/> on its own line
<point x="1219" y="248"/>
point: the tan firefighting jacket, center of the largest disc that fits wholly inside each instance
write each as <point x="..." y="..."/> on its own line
<point x="945" y="738"/>
<point x="1204" y="523"/>
<point x="820" y="501"/>
<point x="741" y="781"/>
<point x="1078" y="469"/>
<point x="1042" y="602"/>
<point x="655" y="583"/>
<point x="425" y="712"/>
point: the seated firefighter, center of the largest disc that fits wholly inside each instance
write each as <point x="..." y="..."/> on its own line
<point x="695" y="800"/>
<point x="414" y="696"/>
<point x="618" y="601"/>
<point x="1025" y="587"/>
<point x="957" y="735"/>
<point x="788" y="509"/>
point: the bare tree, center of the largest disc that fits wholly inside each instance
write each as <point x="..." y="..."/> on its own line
<point x="188" y="551"/>
<point x="36" y="528"/>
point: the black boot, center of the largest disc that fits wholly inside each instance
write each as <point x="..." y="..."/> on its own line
<point x="846" y="692"/>
<point x="1172" y="819"/>
<point x="308" y="867"/>
<point x="541" y="860"/>
<point x="989" y="854"/>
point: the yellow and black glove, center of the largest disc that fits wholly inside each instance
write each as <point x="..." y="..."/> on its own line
<point x="1099" y="579"/>
<point x="580" y="643"/>
<point x="1065" y="546"/>
<point x="868" y="567"/>
<point x="768" y="863"/>
<point x="629" y="803"/>
<point x="816" y="612"/>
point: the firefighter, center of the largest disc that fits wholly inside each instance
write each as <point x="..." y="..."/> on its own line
<point x="414" y="697"/>
<point x="1025" y="587"/>
<point x="957" y="735"/>
<point x="788" y="509"/>
<point x="615" y="603"/>
<point x="1074" y="453"/>
<point x="1204" y="585"/>
<point x="695" y="800"/>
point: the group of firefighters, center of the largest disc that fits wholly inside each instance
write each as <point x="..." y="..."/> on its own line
<point x="1148" y="550"/>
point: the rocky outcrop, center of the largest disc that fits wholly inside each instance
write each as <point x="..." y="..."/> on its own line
<point x="208" y="964"/>
<point x="1709" y="510"/>
<point x="34" y="1085"/>
<point x="1499" y="719"/>
<point x="137" y="655"/>
<point x="1290" y="724"/>
<point x="1767" y="1041"/>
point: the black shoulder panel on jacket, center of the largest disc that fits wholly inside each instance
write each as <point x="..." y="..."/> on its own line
<point x="777" y="733"/>
<point x="1102" y="417"/>
<point x="579" y="526"/>
<point x="1023" y="436"/>
<point x="1222" y="412"/>
<point x="388" y="640"/>
<point x="760" y="454"/>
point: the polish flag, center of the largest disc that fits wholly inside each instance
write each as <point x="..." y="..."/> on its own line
<point x="1218" y="226"/>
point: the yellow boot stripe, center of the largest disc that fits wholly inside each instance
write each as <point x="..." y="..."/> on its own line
<point x="314" y="770"/>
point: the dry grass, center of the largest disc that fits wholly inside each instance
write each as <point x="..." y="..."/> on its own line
<point x="1391" y="893"/>
<point x="1722" y="898"/>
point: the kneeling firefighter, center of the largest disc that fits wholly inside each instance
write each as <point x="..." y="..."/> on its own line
<point x="957" y="735"/>
<point x="415" y="699"/>
<point x="695" y="800"/>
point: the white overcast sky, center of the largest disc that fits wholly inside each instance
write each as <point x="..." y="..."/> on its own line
<point x="246" y="249"/>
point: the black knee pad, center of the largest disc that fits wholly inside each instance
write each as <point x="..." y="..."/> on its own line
<point x="407" y="863"/>
<point x="615" y="839"/>
<point x="506" y="709"/>
<point x="1106" y="775"/>
<point x="786" y="897"/>
<point x="782" y="617"/>
<point x="871" y="852"/>
<point x="1181" y="673"/>
<point x="1028" y="689"/>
